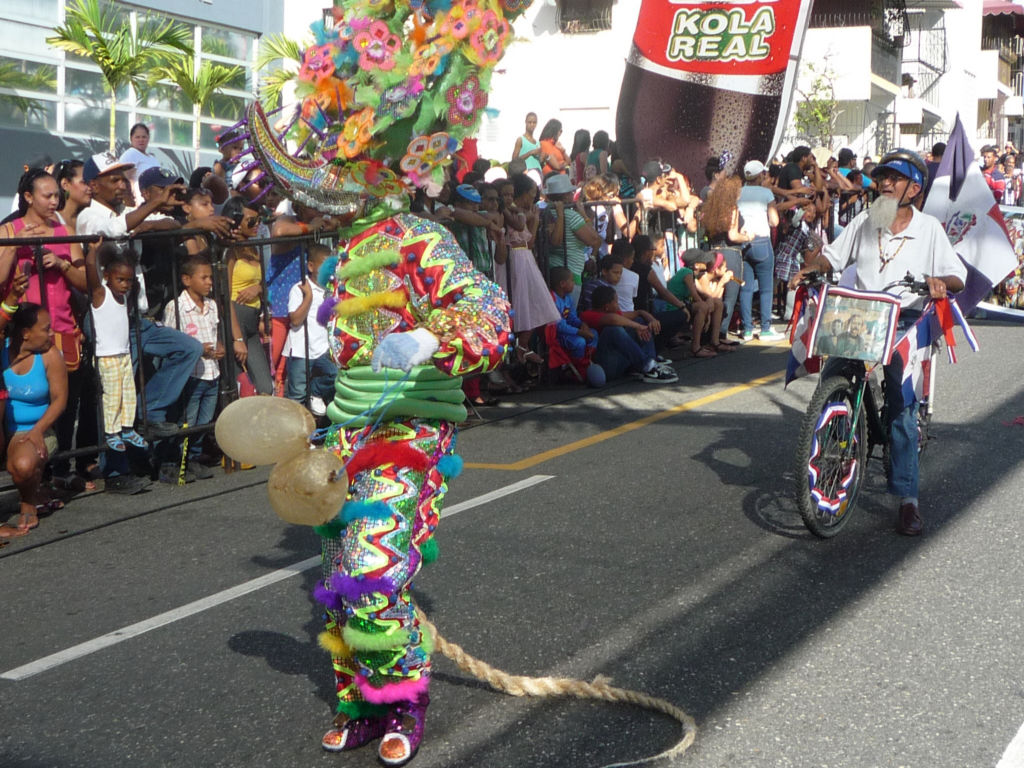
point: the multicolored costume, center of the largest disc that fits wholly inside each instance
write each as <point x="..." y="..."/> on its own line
<point x="389" y="89"/>
<point x="402" y="273"/>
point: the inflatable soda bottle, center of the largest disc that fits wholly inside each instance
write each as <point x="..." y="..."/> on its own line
<point x="704" y="78"/>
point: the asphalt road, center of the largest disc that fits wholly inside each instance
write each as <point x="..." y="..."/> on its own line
<point x="651" y="538"/>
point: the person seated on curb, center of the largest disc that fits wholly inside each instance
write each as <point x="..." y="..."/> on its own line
<point x="702" y="308"/>
<point x="711" y="275"/>
<point x="650" y="289"/>
<point x="609" y="273"/>
<point x="572" y="333"/>
<point x="625" y="342"/>
<point x="625" y="289"/>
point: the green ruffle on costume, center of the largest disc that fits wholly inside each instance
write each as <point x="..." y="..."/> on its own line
<point x="425" y="393"/>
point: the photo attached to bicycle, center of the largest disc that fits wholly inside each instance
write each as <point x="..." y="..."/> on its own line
<point x="857" y="325"/>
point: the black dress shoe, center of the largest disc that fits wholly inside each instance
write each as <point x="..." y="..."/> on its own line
<point x="909" y="522"/>
<point x="124" y="484"/>
<point x="162" y="429"/>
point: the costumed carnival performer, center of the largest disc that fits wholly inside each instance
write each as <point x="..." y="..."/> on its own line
<point x="389" y="90"/>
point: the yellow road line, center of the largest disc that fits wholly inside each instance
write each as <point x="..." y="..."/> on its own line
<point x="600" y="437"/>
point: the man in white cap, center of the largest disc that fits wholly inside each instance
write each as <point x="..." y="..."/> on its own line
<point x="757" y="209"/>
<point x="107" y="214"/>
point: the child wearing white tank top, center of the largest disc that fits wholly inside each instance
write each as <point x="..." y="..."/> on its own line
<point x="113" y="354"/>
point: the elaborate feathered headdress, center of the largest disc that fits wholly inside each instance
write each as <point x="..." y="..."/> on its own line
<point x="389" y="89"/>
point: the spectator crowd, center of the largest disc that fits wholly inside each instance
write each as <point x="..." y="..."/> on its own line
<point x="189" y="293"/>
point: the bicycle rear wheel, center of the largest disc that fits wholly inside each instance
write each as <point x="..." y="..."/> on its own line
<point x="829" y="471"/>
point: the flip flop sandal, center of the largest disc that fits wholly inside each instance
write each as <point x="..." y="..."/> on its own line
<point x="10" y="532"/>
<point x="25" y="526"/>
<point x="704" y="352"/>
<point x="48" y="507"/>
<point x="528" y="355"/>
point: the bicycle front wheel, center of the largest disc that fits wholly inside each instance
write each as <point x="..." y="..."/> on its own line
<point x="830" y="458"/>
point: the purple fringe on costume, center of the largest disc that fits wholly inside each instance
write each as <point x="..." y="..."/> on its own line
<point x="331" y="600"/>
<point x="325" y="310"/>
<point x="353" y="588"/>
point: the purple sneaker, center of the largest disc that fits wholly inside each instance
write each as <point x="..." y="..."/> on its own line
<point x="353" y="733"/>
<point x="404" y="731"/>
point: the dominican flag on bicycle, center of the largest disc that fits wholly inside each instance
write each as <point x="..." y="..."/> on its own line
<point x="937" y="321"/>
<point x="801" y="362"/>
<point x="961" y="199"/>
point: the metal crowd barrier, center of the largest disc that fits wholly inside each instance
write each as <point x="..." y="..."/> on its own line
<point x="220" y="294"/>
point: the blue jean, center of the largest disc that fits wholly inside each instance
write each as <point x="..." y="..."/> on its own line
<point x="322" y="372"/>
<point x="902" y="425"/>
<point x="734" y="261"/>
<point x="177" y="353"/>
<point x="576" y="346"/>
<point x="200" y="405"/>
<point x="759" y="265"/>
<point x="620" y="350"/>
<point x="903" y="438"/>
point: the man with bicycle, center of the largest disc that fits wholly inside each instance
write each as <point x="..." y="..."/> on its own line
<point x="879" y="247"/>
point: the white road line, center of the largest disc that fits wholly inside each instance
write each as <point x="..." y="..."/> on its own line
<point x="508" y="490"/>
<point x="1013" y="757"/>
<point x="133" y="630"/>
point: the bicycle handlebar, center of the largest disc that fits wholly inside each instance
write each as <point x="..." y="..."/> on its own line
<point x="920" y="287"/>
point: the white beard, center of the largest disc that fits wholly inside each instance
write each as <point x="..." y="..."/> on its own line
<point x="882" y="213"/>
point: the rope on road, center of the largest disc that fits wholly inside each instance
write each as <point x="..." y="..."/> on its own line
<point x="544" y="687"/>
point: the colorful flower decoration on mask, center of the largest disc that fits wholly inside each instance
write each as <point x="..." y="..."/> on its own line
<point x="357" y="134"/>
<point x="427" y="58"/>
<point x="377" y="180"/>
<point x="377" y="73"/>
<point x="400" y="101"/>
<point x="377" y="47"/>
<point x="427" y="154"/>
<point x="488" y="41"/>
<point x="464" y="101"/>
<point x="462" y="19"/>
<point x="318" y="63"/>
<point x="513" y="8"/>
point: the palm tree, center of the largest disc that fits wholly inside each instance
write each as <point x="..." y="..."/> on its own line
<point x="124" y="59"/>
<point x="16" y="79"/>
<point x="274" y="48"/>
<point x="198" y="87"/>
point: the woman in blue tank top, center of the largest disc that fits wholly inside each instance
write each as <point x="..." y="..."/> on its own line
<point x="37" y="391"/>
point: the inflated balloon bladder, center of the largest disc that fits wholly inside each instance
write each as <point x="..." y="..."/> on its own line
<point x="308" y="489"/>
<point x="264" y="430"/>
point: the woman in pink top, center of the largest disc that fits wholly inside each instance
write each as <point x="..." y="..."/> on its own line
<point x="63" y="267"/>
<point x="63" y="264"/>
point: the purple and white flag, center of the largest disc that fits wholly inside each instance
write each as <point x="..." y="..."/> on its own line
<point x="963" y="202"/>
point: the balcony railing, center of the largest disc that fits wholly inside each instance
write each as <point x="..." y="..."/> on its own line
<point x="927" y="47"/>
<point x="1011" y="49"/>
<point x="885" y="58"/>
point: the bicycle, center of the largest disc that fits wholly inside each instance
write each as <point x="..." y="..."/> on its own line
<point x="844" y="423"/>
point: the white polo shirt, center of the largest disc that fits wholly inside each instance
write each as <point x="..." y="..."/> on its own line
<point x="882" y="258"/>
